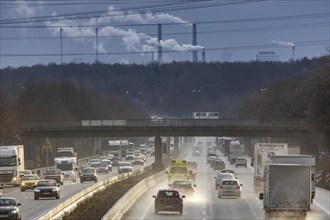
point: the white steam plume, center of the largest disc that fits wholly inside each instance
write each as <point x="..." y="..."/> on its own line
<point x="283" y="43"/>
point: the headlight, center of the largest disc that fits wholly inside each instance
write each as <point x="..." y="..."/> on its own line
<point x="15" y="211"/>
<point x="23" y="184"/>
<point x="37" y="190"/>
<point x="54" y="190"/>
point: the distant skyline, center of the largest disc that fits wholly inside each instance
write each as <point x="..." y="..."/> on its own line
<point x="126" y="31"/>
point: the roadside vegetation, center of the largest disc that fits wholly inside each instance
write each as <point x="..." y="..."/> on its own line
<point x="97" y="206"/>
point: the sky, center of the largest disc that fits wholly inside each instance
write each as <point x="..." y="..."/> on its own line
<point x="126" y="31"/>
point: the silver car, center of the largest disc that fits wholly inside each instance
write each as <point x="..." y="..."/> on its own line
<point x="220" y="177"/>
<point x="241" y="161"/>
<point x="230" y="187"/>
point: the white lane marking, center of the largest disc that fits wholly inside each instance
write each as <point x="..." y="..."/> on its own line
<point x="146" y="210"/>
<point x="321" y="207"/>
<point x="255" y="215"/>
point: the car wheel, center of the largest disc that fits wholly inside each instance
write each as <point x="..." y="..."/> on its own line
<point x="181" y="212"/>
<point x="57" y="197"/>
<point x="95" y="180"/>
<point x="81" y="181"/>
<point x="219" y="196"/>
<point x="22" y="190"/>
<point x="62" y="183"/>
<point x="36" y="197"/>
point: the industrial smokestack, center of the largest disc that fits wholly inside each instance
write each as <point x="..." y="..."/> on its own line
<point x="203" y="55"/>
<point x="195" y="58"/>
<point x="160" y="49"/>
<point x="293" y="56"/>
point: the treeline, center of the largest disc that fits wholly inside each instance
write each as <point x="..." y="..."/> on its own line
<point x="262" y="90"/>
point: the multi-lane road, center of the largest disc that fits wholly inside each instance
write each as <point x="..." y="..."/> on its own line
<point x="207" y="205"/>
<point x="34" y="209"/>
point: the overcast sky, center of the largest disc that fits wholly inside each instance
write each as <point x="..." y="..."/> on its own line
<point x="228" y="30"/>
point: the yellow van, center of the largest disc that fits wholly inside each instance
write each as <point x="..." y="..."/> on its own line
<point x="178" y="170"/>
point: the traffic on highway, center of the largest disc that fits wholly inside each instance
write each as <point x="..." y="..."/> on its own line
<point x="234" y="198"/>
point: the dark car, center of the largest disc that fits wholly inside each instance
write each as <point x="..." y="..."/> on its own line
<point x="88" y="174"/>
<point x="47" y="188"/>
<point x="219" y="164"/>
<point x="168" y="200"/>
<point x="54" y="174"/>
<point x="10" y="208"/>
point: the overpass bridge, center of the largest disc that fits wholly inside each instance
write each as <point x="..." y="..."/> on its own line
<point x="167" y="128"/>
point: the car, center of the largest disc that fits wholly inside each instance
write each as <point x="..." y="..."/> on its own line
<point x="88" y="174"/>
<point x="102" y="168"/>
<point x="1" y="191"/>
<point x="241" y="161"/>
<point x="47" y="188"/>
<point x="107" y="163"/>
<point x="24" y="172"/>
<point x="252" y="162"/>
<point x="168" y="200"/>
<point x="192" y="175"/>
<point x="125" y="167"/>
<point x="102" y="157"/>
<point x="185" y="187"/>
<point x="55" y="174"/>
<point x="218" y="164"/>
<point x="230" y="187"/>
<point x="196" y="153"/>
<point x="95" y="162"/>
<point x="130" y="155"/>
<point x="28" y="181"/>
<point x="229" y="171"/>
<point x="10" y="208"/>
<point x="110" y="156"/>
<point x="115" y="161"/>
<point x="220" y="177"/>
<point x="138" y="160"/>
<point x="211" y="157"/>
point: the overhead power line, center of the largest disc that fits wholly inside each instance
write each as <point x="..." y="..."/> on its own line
<point x="243" y="47"/>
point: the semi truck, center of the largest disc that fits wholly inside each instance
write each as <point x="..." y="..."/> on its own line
<point x="299" y="159"/>
<point x="114" y="148"/>
<point x="66" y="161"/>
<point x="11" y="163"/>
<point x="286" y="190"/>
<point x="263" y="154"/>
<point x="236" y="149"/>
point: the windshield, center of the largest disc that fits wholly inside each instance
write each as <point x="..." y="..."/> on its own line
<point x="46" y="183"/>
<point x="8" y="161"/>
<point x="88" y="170"/>
<point x="7" y="202"/>
<point x="179" y="170"/>
<point x="65" y="154"/>
<point x="65" y="167"/>
<point x="30" y="177"/>
<point x="53" y="172"/>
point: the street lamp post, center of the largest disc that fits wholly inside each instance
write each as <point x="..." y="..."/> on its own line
<point x="199" y="101"/>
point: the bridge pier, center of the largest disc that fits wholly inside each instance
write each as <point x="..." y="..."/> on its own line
<point x="176" y="146"/>
<point x="158" y="153"/>
<point x="96" y="144"/>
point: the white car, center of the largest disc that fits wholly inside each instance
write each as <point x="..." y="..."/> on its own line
<point x="230" y="187"/>
<point x="125" y="167"/>
<point x="95" y="162"/>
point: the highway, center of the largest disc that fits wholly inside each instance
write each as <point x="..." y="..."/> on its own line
<point x="33" y="209"/>
<point x="206" y="205"/>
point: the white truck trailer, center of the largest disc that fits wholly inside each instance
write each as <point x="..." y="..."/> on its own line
<point x="114" y="148"/>
<point x="236" y="149"/>
<point x="286" y="190"/>
<point x="11" y="163"/>
<point x="263" y="154"/>
<point x="299" y="159"/>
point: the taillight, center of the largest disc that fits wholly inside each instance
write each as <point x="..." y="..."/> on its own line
<point x="238" y="187"/>
<point x="221" y="187"/>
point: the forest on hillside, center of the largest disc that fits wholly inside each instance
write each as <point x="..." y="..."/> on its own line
<point x="249" y="90"/>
